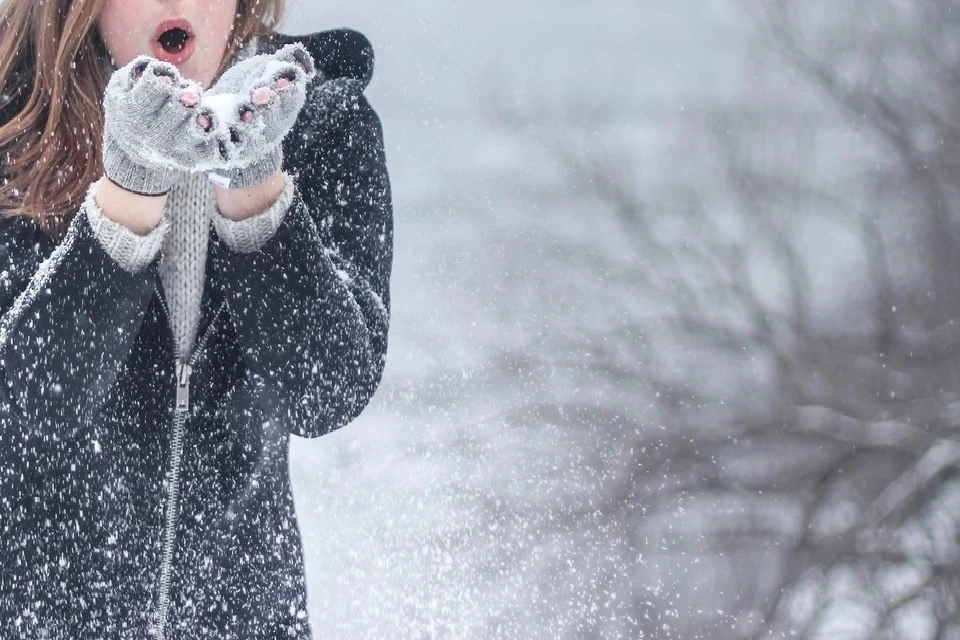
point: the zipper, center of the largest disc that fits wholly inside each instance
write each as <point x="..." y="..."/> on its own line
<point x="183" y="369"/>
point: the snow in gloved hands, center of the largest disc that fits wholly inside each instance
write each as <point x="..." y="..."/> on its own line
<point x="157" y="119"/>
<point x="252" y="106"/>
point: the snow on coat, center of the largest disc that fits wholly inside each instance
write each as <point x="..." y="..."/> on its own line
<point x="296" y="344"/>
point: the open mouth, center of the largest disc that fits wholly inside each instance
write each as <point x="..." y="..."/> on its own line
<point x="174" y="41"/>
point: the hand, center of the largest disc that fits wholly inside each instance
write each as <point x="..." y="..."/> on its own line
<point x="151" y="137"/>
<point x="247" y="113"/>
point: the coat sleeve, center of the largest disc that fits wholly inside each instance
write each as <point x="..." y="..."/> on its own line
<point x="70" y="315"/>
<point x="311" y="306"/>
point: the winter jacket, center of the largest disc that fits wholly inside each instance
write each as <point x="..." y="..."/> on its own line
<point x="130" y="479"/>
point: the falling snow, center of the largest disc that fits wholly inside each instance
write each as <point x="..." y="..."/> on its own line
<point x="671" y="320"/>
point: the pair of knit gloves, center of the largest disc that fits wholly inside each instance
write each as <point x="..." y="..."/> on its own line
<point x="159" y="126"/>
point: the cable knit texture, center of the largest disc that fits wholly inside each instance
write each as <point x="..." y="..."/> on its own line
<point x="185" y="255"/>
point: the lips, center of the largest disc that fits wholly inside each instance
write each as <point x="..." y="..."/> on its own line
<point x="174" y="41"/>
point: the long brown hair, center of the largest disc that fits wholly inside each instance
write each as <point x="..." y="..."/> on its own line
<point x="52" y="79"/>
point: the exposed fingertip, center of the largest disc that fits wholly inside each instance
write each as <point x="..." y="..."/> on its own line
<point x="205" y="121"/>
<point x="138" y="67"/>
<point x="189" y="98"/>
<point x="263" y="96"/>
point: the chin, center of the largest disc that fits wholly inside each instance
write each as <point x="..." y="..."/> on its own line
<point x="189" y="72"/>
<point x="205" y="81"/>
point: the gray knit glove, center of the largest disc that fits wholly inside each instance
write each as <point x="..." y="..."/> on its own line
<point x="151" y="137"/>
<point x="248" y="112"/>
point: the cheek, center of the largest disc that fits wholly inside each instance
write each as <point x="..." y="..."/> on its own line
<point x="120" y="27"/>
<point x="214" y="24"/>
<point x="220" y="15"/>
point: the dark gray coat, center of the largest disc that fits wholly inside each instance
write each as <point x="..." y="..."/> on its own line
<point x="294" y="340"/>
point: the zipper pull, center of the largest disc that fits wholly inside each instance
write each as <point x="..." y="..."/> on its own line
<point x="183" y="386"/>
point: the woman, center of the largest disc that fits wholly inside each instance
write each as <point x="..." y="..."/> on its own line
<point x="195" y="255"/>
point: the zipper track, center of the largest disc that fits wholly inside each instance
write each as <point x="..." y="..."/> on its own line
<point x="182" y="370"/>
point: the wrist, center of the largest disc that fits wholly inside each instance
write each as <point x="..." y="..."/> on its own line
<point x="133" y="191"/>
<point x="245" y="202"/>
<point x="141" y="214"/>
<point x="250" y="176"/>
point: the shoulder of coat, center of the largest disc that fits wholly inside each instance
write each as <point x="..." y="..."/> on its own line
<point x="338" y="53"/>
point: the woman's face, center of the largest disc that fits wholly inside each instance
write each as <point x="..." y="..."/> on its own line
<point x="132" y="27"/>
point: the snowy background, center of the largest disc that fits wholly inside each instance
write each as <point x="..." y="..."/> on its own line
<point x="545" y="458"/>
<point x="440" y="513"/>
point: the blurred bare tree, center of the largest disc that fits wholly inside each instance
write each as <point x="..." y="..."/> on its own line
<point x="781" y="307"/>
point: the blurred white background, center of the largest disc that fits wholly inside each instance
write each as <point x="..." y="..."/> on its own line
<point x="400" y="511"/>
<point x="672" y="351"/>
